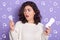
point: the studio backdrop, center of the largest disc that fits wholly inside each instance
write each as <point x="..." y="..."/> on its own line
<point x="48" y="9"/>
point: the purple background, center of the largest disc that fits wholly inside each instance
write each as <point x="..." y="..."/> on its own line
<point x="48" y="9"/>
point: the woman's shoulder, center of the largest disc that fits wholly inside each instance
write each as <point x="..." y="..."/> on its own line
<point x="41" y="27"/>
<point x="40" y="24"/>
<point x="19" y="22"/>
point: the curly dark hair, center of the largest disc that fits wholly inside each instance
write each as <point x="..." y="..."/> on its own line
<point x="37" y="16"/>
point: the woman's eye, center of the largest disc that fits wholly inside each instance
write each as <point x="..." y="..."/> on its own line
<point x="29" y="10"/>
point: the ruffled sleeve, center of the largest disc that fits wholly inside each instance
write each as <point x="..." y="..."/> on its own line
<point x="14" y="35"/>
<point x="43" y="36"/>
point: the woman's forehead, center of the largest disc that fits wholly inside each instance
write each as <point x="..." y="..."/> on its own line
<point x="28" y="7"/>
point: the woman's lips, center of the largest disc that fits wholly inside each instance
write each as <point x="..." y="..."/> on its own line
<point x="27" y="16"/>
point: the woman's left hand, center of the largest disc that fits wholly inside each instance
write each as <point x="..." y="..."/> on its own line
<point x="47" y="31"/>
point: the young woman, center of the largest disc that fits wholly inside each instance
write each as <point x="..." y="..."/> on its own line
<point x="29" y="26"/>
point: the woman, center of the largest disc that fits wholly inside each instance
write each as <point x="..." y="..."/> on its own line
<point x="29" y="26"/>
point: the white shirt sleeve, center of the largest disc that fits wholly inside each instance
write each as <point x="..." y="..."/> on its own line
<point x="43" y="36"/>
<point x="14" y="34"/>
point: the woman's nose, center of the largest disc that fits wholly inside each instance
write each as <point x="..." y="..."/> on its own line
<point x="26" y="12"/>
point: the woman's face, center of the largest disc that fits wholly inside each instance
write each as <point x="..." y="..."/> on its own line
<point x="29" y="13"/>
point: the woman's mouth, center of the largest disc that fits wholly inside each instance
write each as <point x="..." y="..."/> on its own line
<point x="27" y="16"/>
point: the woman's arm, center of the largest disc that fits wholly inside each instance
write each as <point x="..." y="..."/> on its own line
<point x="45" y="33"/>
<point x="14" y="34"/>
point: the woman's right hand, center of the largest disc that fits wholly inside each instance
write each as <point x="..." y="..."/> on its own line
<point x="11" y="23"/>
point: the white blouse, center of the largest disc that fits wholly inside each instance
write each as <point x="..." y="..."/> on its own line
<point x="27" y="31"/>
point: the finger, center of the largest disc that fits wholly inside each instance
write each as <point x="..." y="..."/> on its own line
<point x="48" y="31"/>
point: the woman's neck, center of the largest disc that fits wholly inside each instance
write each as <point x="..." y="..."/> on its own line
<point x="31" y="21"/>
